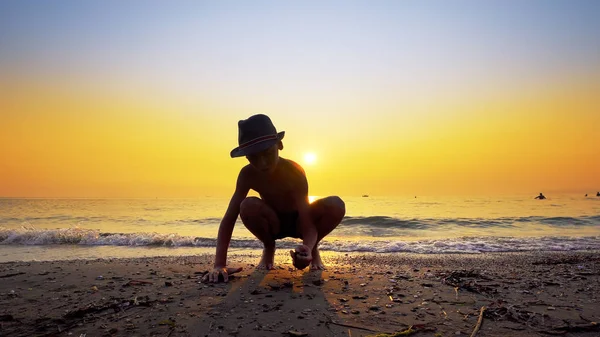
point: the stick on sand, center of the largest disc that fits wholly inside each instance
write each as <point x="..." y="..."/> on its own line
<point x="479" y="320"/>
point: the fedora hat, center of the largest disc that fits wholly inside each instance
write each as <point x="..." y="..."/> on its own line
<point x="256" y="134"/>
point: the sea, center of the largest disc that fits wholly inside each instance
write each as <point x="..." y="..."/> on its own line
<point x="33" y="229"/>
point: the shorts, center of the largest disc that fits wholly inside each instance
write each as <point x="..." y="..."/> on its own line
<point x="287" y="225"/>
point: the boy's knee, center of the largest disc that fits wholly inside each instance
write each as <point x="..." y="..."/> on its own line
<point x="337" y="206"/>
<point x="250" y="207"/>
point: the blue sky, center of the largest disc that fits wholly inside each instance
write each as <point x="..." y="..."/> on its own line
<point x="192" y="44"/>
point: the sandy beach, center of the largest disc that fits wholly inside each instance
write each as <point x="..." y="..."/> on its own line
<point x="522" y="294"/>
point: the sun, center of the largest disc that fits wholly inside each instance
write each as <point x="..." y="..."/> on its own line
<point x="310" y="158"/>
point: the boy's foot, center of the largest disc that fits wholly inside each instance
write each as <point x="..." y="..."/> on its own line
<point x="268" y="256"/>
<point x="317" y="263"/>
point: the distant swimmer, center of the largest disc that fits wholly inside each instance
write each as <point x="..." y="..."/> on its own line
<point x="586" y="195"/>
<point x="598" y="194"/>
<point x="541" y="196"/>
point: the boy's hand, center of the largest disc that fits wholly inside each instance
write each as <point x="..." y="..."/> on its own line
<point x="220" y="274"/>
<point x="301" y="257"/>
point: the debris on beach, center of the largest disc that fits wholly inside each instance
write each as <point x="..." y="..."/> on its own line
<point x="406" y="332"/>
<point x="136" y="283"/>
<point x="444" y="296"/>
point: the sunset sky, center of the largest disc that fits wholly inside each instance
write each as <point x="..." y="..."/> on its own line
<point x="142" y="98"/>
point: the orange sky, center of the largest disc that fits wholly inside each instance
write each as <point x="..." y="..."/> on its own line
<point x="458" y="115"/>
<point x="73" y="143"/>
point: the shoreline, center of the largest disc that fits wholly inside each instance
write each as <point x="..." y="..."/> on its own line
<point x="361" y="294"/>
<point x="463" y="245"/>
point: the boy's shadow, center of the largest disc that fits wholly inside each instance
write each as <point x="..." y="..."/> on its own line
<point x="269" y="303"/>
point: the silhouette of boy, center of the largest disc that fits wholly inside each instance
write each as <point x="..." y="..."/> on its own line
<point x="282" y="210"/>
<point x="541" y="196"/>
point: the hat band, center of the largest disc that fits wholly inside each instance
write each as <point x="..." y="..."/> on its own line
<point x="257" y="140"/>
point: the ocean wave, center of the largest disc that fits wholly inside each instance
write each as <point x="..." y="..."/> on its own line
<point x="435" y="223"/>
<point x="87" y="237"/>
<point x="374" y="221"/>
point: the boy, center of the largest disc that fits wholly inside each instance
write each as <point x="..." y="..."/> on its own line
<point x="282" y="210"/>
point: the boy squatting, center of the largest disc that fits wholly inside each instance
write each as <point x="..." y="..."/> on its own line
<point x="282" y="210"/>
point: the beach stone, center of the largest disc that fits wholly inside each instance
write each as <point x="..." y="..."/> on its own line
<point x="6" y="318"/>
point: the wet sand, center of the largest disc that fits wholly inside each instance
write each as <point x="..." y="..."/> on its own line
<point x="522" y="294"/>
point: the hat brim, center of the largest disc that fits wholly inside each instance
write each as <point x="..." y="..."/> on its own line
<point x="237" y="152"/>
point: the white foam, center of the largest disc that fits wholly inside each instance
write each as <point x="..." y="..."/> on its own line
<point x="88" y="237"/>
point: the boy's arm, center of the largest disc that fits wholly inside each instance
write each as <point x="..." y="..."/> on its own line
<point x="303" y="254"/>
<point x="228" y="221"/>
<point x="300" y="192"/>
<point x="307" y="226"/>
